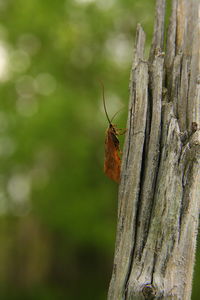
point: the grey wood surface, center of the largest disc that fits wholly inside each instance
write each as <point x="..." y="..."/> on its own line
<point x="159" y="193"/>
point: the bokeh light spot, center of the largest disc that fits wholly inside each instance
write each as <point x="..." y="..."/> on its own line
<point x="84" y="1"/>
<point x="25" y="86"/>
<point x="27" y="107"/>
<point x="45" y="84"/>
<point x="4" y="59"/>
<point x="29" y="43"/>
<point x="105" y="5"/>
<point x="119" y="50"/>
<point x="19" y="61"/>
<point x="19" y="188"/>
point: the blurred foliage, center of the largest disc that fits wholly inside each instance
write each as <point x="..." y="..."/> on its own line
<point x="57" y="209"/>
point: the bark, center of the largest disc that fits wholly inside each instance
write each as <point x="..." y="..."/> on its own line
<point x="159" y="193"/>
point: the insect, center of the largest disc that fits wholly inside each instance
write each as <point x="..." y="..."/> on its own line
<point x="112" y="161"/>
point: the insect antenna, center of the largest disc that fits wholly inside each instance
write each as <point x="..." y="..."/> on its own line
<point x="115" y="114"/>
<point x="104" y="103"/>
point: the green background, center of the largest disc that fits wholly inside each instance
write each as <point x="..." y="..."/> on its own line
<point x="57" y="209"/>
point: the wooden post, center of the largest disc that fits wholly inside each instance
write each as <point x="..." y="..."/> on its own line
<point x="159" y="193"/>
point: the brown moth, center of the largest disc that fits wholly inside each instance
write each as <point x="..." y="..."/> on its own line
<point x="112" y="161"/>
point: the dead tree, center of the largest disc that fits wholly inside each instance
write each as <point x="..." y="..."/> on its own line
<point x="159" y="193"/>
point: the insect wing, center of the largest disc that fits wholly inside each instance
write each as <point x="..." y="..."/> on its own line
<point x="112" y="161"/>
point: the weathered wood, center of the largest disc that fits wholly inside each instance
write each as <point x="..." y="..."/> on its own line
<point x="160" y="180"/>
<point x="158" y="35"/>
<point x="131" y="168"/>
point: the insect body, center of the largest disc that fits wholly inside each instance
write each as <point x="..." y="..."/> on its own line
<point x="112" y="161"/>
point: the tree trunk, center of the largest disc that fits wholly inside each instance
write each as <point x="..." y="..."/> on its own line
<point x="159" y="193"/>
